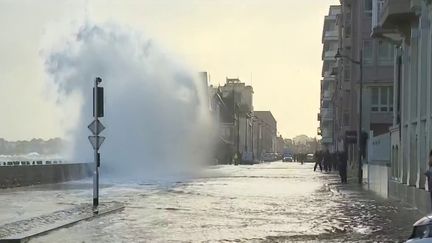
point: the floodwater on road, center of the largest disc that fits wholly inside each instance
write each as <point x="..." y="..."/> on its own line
<point x="271" y="202"/>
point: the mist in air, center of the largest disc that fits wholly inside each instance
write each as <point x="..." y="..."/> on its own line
<point x="156" y="109"/>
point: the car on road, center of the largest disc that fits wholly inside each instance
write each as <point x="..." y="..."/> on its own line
<point x="287" y="158"/>
<point x="422" y="230"/>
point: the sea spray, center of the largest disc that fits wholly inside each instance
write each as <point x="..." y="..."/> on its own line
<point x="156" y="109"/>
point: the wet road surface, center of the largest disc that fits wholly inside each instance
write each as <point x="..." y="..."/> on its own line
<point x="273" y="202"/>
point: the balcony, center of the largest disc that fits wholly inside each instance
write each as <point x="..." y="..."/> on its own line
<point x="326" y="114"/>
<point x="395" y="12"/>
<point x="330" y="18"/>
<point x="329" y="55"/>
<point x="391" y="18"/>
<point x="327" y="134"/>
<point x="329" y="76"/>
<point x="329" y="70"/>
<point x="330" y="35"/>
<point x="328" y="94"/>
<point x="326" y="140"/>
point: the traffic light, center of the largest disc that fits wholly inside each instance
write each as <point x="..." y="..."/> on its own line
<point x="99" y="102"/>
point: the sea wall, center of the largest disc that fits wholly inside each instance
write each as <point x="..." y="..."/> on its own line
<point x="25" y="175"/>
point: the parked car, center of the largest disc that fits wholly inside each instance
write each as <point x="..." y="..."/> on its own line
<point x="310" y="158"/>
<point x="268" y="157"/>
<point x="422" y="230"/>
<point x="287" y="158"/>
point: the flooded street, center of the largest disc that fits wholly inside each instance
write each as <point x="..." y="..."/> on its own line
<point x="273" y="202"/>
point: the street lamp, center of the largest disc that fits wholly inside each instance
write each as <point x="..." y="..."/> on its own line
<point x="359" y="129"/>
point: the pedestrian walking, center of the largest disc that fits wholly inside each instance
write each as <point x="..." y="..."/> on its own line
<point x="343" y="161"/>
<point x="326" y="160"/>
<point x="318" y="159"/>
<point x="428" y="174"/>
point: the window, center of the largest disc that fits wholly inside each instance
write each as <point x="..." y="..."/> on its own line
<point x="347" y="72"/>
<point x="367" y="52"/>
<point x="347" y="25"/>
<point x="325" y="104"/>
<point x="382" y="99"/>
<point x="385" y="53"/>
<point x="346" y="119"/>
<point x="325" y="85"/>
<point x="368" y="8"/>
<point x="375" y="99"/>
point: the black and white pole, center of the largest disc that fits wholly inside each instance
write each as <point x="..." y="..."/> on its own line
<point x="96" y="141"/>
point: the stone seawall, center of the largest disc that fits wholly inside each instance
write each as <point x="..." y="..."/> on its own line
<point x="25" y="175"/>
<point x="415" y="197"/>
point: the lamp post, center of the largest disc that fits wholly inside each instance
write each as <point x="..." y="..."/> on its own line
<point x="236" y="123"/>
<point x="253" y="119"/>
<point x="246" y="131"/>
<point x="359" y="129"/>
<point x="252" y="135"/>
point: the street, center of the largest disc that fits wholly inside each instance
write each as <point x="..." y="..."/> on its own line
<point x="271" y="202"/>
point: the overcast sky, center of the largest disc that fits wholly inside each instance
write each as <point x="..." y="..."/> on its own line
<point x="275" y="45"/>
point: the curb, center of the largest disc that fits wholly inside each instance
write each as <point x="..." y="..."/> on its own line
<point x="26" y="236"/>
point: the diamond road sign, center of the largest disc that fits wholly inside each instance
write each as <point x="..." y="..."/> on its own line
<point x="93" y="139"/>
<point x="94" y="124"/>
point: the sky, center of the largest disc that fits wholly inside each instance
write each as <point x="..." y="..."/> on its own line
<point x="273" y="45"/>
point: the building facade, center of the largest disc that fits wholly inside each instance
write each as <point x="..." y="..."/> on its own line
<point x="265" y="128"/>
<point x="279" y="145"/>
<point x="239" y="97"/>
<point x="406" y="25"/>
<point x="330" y="41"/>
<point x="241" y="132"/>
<point x="363" y="63"/>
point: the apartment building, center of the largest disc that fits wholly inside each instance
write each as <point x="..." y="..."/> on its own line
<point x="330" y="41"/>
<point x="239" y="98"/>
<point x="265" y="129"/>
<point x="355" y="41"/>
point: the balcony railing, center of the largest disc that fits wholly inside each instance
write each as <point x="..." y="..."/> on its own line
<point x="328" y="94"/>
<point x="377" y="6"/>
<point x="389" y="16"/>
<point x="329" y="55"/>
<point x="326" y="114"/>
<point x="326" y="139"/>
<point x="388" y="13"/>
<point x="331" y="35"/>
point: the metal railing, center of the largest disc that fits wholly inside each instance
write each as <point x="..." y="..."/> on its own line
<point x="378" y="7"/>
<point x="30" y="162"/>
<point x="331" y="34"/>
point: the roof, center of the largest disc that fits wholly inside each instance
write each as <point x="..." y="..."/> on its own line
<point x="265" y="115"/>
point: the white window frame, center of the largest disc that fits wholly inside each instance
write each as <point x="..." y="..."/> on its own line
<point x="347" y="71"/>
<point x="380" y="107"/>
<point x="385" y="60"/>
<point x="368" y="60"/>
<point x="367" y="12"/>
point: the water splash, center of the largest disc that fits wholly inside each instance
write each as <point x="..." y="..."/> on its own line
<point x="156" y="111"/>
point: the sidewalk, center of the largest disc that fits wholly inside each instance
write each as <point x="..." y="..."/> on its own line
<point x="396" y="215"/>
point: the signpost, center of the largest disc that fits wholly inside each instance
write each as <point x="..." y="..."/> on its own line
<point x="351" y="137"/>
<point x="96" y="141"/>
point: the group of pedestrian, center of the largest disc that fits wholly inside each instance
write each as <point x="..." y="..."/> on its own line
<point x="332" y="161"/>
<point x="299" y="158"/>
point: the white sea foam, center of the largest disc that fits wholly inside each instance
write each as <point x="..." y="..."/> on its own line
<point x="156" y="111"/>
